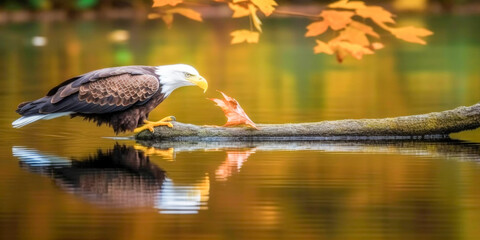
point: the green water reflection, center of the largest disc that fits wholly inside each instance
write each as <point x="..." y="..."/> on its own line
<point x="263" y="191"/>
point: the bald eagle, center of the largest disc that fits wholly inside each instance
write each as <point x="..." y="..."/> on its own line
<point x="121" y="97"/>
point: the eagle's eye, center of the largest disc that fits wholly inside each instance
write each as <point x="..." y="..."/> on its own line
<point x="188" y="75"/>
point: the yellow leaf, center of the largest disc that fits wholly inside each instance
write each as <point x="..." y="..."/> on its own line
<point x="347" y="4"/>
<point x="240" y="36"/>
<point x="316" y="28"/>
<point x="256" y="21"/>
<point x="265" y="6"/>
<point x="161" y="3"/>
<point x="187" y="12"/>
<point x="238" y="10"/>
<point x="411" y="34"/>
<point x="353" y="35"/>
<point x="337" y="19"/>
<point x="322" y="47"/>
<point x="357" y="51"/>
<point x="364" y="28"/>
<point x="377" y="14"/>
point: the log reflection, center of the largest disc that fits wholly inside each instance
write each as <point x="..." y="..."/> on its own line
<point x="448" y="149"/>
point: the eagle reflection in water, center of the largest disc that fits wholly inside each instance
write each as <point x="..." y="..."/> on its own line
<point x="119" y="177"/>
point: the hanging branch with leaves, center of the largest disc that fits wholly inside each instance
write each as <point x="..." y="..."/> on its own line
<point x="353" y="24"/>
<point x="168" y="8"/>
<point x="354" y="36"/>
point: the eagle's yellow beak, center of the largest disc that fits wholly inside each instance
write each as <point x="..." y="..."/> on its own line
<point x="199" y="81"/>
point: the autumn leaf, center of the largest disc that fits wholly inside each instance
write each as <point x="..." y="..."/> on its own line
<point x="240" y="36"/>
<point x="322" y="47"/>
<point x="238" y="10"/>
<point x="357" y="51"/>
<point x="345" y="4"/>
<point x="411" y="34"/>
<point x="161" y="3"/>
<point x="337" y="19"/>
<point x="265" y="6"/>
<point x="353" y="35"/>
<point x="233" y="111"/>
<point x="377" y="14"/>
<point x="186" y="12"/>
<point x="364" y="28"/>
<point x="316" y="28"/>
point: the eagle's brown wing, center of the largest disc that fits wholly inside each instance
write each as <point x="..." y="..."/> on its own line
<point x="102" y="94"/>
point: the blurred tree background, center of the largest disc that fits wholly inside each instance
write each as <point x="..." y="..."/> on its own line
<point x="80" y="5"/>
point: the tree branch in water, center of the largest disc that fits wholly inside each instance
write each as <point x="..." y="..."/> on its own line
<point x="436" y="125"/>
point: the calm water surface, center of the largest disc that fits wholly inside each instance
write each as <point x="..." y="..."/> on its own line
<point x="62" y="179"/>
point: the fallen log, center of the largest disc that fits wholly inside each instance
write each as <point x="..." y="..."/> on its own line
<point x="436" y="125"/>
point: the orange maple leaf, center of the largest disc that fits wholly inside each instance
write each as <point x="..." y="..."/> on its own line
<point x="322" y="47"/>
<point x="343" y="48"/>
<point x="161" y="3"/>
<point x="240" y="36"/>
<point x="316" y="28"/>
<point x="238" y="10"/>
<point x="356" y="50"/>
<point x="345" y="4"/>
<point x="187" y="12"/>
<point x="337" y="19"/>
<point x="266" y="6"/>
<point x="411" y="34"/>
<point x="377" y="14"/>
<point x="364" y="28"/>
<point x="353" y="35"/>
<point x="233" y="111"/>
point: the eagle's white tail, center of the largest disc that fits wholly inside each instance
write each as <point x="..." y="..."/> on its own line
<point x="30" y="119"/>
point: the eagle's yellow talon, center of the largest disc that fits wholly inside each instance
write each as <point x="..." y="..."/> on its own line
<point x="151" y="125"/>
<point x="151" y="128"/>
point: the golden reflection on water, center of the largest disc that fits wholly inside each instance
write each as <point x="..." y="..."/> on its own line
<point x="405" y="190"/>
<point x="419" y="190"/>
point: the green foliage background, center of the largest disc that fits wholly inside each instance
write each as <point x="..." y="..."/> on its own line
<point x="94" y="4"/>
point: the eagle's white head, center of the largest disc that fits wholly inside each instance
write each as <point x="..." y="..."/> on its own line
<point x="179" y="75"/>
